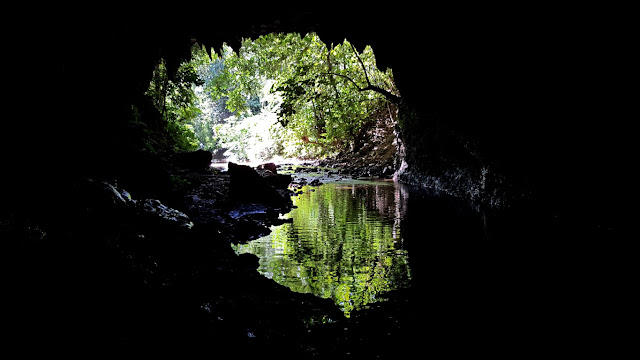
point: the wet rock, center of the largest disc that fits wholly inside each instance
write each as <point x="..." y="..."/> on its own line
<point x="278" y="181"/>
<point x="246" y="185"/>
<point x="100" y="200"/>
<point x="99" y="196"/>
<point x="268" y="166"/>
<point x="155" y="211"/>
<point x="245" y="229"/>
<point x="243" y="176"/>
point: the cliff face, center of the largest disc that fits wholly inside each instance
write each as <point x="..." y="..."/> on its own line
<point x="496" y="106"/>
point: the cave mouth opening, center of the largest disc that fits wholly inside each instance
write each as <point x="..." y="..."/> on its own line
<point x="278" y="96"/>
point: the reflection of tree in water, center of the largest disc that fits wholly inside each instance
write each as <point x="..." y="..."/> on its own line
<point x="345" y="243"/>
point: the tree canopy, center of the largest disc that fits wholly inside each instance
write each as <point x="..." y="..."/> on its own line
<point x="323" y="97"/>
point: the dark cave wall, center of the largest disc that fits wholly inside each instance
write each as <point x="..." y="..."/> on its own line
<point x="528" y="95"/>
<point x="519" y="104"/>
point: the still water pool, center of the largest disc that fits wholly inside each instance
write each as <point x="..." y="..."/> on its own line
<point x="344" y="243"/>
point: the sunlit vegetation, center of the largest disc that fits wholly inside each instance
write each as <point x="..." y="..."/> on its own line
<point x="344" y="244"/>
<point x="278" y="95"/>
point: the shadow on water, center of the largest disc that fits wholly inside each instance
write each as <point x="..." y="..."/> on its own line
<point x="344" y="243"/>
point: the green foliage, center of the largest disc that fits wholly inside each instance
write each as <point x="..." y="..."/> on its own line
<point x="328" y="96"/>
<point x="339" y="246"/>
<point x="325" y="97"/>
<point x="175" y="101"/>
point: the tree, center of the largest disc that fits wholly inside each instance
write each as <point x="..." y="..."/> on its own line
<point x="175" y="101"/>
<point x="329" y="94"/>
<point x="342" y="108"/>
<point x="325" y="97"/>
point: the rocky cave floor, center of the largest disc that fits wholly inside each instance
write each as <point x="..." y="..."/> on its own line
<point x="106" y="271"/>
<point x="103" y="270"/>
<point x="136" y="274"/>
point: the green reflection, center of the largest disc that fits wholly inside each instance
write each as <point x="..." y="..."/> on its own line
<point x="344" y="243"/>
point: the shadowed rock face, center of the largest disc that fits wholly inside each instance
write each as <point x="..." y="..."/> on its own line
<point x="248" y="186"/>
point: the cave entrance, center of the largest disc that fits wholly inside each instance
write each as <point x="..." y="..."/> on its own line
<point x="280" y="96"/>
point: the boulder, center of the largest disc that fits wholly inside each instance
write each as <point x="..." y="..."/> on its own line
<point x="247" y="185"/>
<point x="100" y="202"/>
<point x="278" y="181"/>
<point x="156" y="213"/>
<point x="105" y="196"/>
<point x="94" y="200"/>
<point x="268" y="166"/>
<point x="270" y="173"/>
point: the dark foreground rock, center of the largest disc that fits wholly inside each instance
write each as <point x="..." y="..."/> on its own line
<point x="99" y="271"/>
<point x="247" y="185"/>
<point x="126" y="273"/>
<point x="269" y="172"/>
<point x="269" y="167"/>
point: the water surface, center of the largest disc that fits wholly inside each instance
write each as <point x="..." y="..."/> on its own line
<point x="345" y="243"/>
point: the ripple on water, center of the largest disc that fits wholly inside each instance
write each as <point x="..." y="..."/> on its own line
<point x="345" y="243"/>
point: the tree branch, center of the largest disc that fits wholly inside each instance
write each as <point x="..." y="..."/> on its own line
<point x="346" y="77"/>
<point x="361" y="64"/>
<point x="388" y="95"/>
<point x="391" y="97"/>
